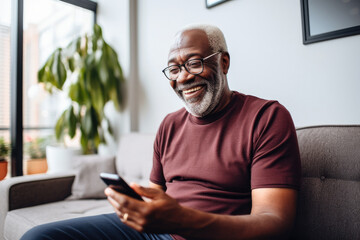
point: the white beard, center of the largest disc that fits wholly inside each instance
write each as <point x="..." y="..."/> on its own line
<point x="211" y="99"/>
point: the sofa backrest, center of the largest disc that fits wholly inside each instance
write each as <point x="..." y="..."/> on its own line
<point x="329" y="199"/>
<point x="134" y="157"/>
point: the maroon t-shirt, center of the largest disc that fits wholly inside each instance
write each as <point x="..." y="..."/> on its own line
<point x="213" y="163"/>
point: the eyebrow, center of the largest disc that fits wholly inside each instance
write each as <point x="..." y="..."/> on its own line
<point x="187" y="57"/>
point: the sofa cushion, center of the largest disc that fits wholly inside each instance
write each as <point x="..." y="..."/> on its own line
<point x="87" y="183"/>
<point x="19" y="221"/>
<point x="134" y="157"/>
<point x="328" y="206"/>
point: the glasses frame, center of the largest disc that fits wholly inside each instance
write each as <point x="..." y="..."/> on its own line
<point x="184" y="65"/>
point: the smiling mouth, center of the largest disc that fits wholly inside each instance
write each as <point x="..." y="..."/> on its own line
<point x="192" y="90"/>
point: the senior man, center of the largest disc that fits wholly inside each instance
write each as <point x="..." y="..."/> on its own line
<point x="226" y="166"/>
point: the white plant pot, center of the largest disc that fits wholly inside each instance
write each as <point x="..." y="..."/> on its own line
<point x="60" y="159"/>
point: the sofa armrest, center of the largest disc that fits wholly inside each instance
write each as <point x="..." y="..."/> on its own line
<point x="31" y="190"/>
<point x="26" y="191"/>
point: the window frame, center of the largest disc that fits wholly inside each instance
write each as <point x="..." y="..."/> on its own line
<point x="16" y="80"/>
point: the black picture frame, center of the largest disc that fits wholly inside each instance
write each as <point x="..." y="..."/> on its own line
<point x="213" y="3"/>
<point x="306" y="10"/>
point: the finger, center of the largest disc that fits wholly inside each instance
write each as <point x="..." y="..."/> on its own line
<point x="118" y="213"/>
<point x="114" y="203"/>
<point x="124" y="214"/>
<point x="132" y="219"/>
<point x="123" y="200"/>
<point x="121" y="208"/>
<point x="115" y="206"/>
<point x="146" y="192"/>
<point x="133" y="224"/>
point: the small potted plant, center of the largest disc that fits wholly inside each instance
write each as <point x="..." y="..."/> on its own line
<point x="4" y="153"/>
<point x="35" y="150"/>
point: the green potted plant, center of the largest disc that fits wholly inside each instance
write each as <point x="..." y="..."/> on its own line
<point x="35" y="149"/>
<point x="4" y="153"/>
<point x="88" y="71"/>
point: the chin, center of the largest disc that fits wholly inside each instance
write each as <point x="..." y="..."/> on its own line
<point x="205" y="104"/>
<point x="201" y="107"/>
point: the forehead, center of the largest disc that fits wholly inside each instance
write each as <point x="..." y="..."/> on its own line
<point x="188" y="43"/>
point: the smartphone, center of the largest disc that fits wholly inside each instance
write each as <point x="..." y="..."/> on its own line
<point x="118" y="184"/>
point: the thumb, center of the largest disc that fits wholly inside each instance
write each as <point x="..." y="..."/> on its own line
<point x="151" y="193"/>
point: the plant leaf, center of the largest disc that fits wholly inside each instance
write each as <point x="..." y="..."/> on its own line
<point x="41" y="74"/>
<point x="84" y="142"/>
<point x="59" y="127"/>
<point x="61" y="71"/>
<point x="71" y="121"/>
<point x="71" y="64"/>
<point x="88" y="123"/>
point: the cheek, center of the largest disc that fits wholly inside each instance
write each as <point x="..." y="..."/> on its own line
<point x="209" y="74"/>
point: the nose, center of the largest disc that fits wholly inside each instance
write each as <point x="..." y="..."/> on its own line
<point x="184" y="76"/>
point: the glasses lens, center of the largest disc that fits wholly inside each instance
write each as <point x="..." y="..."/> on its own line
<point x="172" y="72"/>
<point x="194" y="66"/>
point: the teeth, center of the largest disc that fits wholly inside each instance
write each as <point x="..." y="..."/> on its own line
<point x="192" y="90"/>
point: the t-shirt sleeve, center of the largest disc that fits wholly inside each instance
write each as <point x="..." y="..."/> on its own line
<point x="157" y="175"/>
<point x="276" y="158"/>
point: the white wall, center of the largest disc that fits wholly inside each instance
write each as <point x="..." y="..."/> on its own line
<point x="318" y="83"/>
<point x="113" y="17"/>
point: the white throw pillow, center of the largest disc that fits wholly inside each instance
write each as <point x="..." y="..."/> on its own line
<point x="87" y="183"/>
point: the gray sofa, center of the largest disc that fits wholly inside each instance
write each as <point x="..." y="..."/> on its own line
<point x="31" y="200"/>
<point x="328" y="206"/>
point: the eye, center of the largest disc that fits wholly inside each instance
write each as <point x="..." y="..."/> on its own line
<point x="193" y="63"/>
<point x="173" y="69"/>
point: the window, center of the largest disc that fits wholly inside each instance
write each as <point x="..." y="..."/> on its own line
<point x="47" y="24"/>
<point x="5" y="29"/>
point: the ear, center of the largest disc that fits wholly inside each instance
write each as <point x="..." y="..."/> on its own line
<point x="225" y="62"/>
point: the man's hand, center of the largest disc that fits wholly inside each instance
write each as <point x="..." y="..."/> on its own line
<point x="159" y="213"/>
<point x="272" y="215"/>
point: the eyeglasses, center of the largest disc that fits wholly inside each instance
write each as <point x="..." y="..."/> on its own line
<point x="192" y="66"/>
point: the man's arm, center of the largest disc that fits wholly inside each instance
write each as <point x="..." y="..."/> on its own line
<point x="272" y="215"/>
